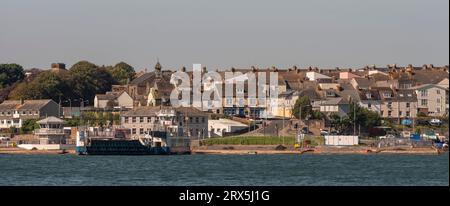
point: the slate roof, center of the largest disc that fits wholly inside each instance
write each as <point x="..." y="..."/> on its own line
<point x="27" y="105"/>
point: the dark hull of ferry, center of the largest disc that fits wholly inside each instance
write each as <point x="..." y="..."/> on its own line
<point x="122" y="147"/>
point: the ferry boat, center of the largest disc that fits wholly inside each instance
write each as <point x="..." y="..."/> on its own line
<point x="154" y="144"/>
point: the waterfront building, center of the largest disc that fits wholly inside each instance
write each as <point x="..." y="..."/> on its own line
<point x="51" y="131"/>
<point x="431" y="100"/>
<point x="221" y="127"/>
<point x="14" y="112"/>
<point x="177" y="122"/>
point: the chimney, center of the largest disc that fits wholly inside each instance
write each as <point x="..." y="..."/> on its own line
<point x="350" y="70"/>
<point x="295" y="68"/>
<point x="204" y="70"/>
<point x="233" y="69"/>
<point x="21" y="101"/>
<point x="310" y="68"/>
<point x="424" y="66"/>
<point x="430" y="66"/>
<point x="183" y="69"/>
<point x="58" y="66"/>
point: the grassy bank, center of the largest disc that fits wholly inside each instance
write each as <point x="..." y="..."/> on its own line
<point x="259" y="140"/>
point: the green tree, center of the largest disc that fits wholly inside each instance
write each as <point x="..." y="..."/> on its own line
<point x="306" y="108"/>
<point x="122" y="73"/>
<point x="47" y="85"/>
<point x="29" y="126"/>
<point x="87" y="80"/>
<point x="10" y="73"/>
<point x="363" y="116"/>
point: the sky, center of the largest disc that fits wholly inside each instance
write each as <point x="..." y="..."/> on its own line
<point x="225" y="34"/>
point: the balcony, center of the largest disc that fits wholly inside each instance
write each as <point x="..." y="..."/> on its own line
<point x="46" y="131"/>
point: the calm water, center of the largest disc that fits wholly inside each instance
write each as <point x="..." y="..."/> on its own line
<point x="225" y="170"/>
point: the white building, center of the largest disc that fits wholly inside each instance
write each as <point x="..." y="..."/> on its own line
<point x="340" y="140"/>
<point x="222" y="126"/>
<point x="113" y="99"/>
<point x="431" y="99"/>
<point x="314" y="76"/>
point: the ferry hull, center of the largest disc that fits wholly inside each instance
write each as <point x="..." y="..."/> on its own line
<point x="121" y="147"/>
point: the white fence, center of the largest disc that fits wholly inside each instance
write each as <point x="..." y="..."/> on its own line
<point x="341" y="140"/>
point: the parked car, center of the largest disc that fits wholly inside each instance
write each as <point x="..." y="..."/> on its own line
<point x="3" y="138"/>
<point x="421" y="122"/>
<point x="435" y="122"/>
<point x="387" y="136"/>
<point x="324" y="132"/>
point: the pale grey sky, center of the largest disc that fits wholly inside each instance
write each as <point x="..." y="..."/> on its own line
<point x="221" y="34"/>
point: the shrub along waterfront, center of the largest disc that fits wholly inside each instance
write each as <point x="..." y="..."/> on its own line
<point x="260" y="140"/>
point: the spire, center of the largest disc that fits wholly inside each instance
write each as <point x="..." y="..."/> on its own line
<point x="158" y="66"/>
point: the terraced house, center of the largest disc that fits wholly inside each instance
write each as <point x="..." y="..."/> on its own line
<point x="13" y="113"/>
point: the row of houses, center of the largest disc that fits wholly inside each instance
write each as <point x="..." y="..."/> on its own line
<point x="392" y="91"/>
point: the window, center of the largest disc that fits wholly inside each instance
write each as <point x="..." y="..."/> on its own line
<point x="401" y="95"/>
<point x="408" y="114"/>
<point x="387" y="94"/>
<point x="133" y="131"/>
<point x="438" y="100"/>
<point x="141" y="120"/>
<point x="229" y="101"/>
<point x="424" y="102"/>
<point x="369" y="95"/>
<point x="141" y="131"/>
<point x="408" y="104"/>
<point x="389" y="104"/>
<point x="438" y="91"/>
<point x="134" y="120"/>
<point x="197" y="120"/>
<point x="400" y="113"/>
<point x="389" y="113"/>
<point x="423" y="92"/>
<point x="203" y="120"/>
<point x="369" y="105"/>
<point x="125" y="119"/>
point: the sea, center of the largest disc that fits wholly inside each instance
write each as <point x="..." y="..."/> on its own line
<point x="226" y="170"/>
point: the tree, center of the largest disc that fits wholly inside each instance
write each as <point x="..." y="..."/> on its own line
<point x="363" y="116"/>
<point x="339" y="123"/>
<point x="47" y="85"/>
<point x="28" y="126"/>
<point x="122" y="73"/>
<point x="306" y="108"/>
<point x="88" y="79"/>
<point x="10" y="73"/>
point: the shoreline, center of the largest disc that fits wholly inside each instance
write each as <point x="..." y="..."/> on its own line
<point x="253" y="150"/>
